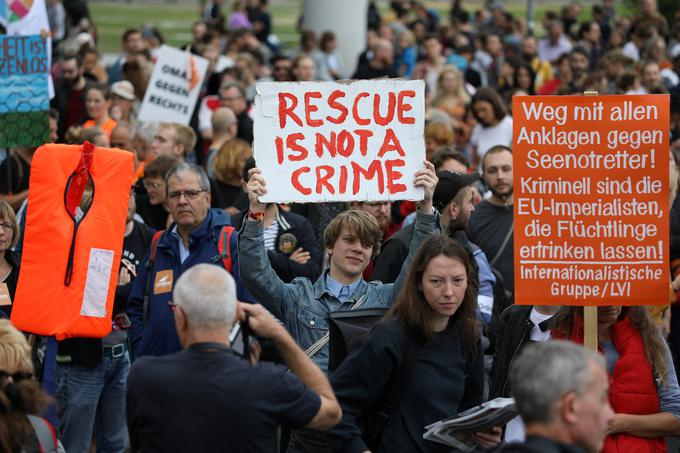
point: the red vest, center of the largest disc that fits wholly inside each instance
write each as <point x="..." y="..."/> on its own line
<point x="631" y="387"/>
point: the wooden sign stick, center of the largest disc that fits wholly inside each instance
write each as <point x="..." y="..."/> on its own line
<point x="590" y="313"/>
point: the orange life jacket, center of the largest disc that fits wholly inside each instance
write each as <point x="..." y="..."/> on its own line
<point x="69" y="267"/>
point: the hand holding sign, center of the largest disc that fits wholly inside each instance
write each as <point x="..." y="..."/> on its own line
<point x="256" y="188"/>
<point x="427" y="179"/>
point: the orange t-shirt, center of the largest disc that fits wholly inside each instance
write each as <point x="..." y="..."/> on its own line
<point x="107" y="127"/>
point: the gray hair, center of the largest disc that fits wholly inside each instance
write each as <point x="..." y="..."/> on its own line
<point x="207" y="295"/>
<point x="183" y="168"/>
<point x="547" y="371"/>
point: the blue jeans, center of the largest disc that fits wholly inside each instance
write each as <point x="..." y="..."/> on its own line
<point x="92" y="399"/>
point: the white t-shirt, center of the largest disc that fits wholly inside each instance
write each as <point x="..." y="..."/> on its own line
<point x="484" y="138"/>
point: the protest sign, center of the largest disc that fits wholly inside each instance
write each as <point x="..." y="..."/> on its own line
<point x="591" y="199"/>
<point x="331" y="141"/>
<point x="24" y="92"/>
<point x="174" y="87"/>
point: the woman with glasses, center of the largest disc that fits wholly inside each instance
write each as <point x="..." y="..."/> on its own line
<point x="21" y="398"/>
<point x="9" y="262"/>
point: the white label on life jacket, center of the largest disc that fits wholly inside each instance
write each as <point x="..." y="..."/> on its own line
<point x="97" y="283"/>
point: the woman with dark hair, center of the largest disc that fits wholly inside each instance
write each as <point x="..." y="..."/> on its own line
<point x="227" y="170"/>
<point x="431" y="331"/>
<point x="524" y="78"/>
<point x="494" y="125"/>
<point x="97" y="104"/>
<point x="644" y="390"/>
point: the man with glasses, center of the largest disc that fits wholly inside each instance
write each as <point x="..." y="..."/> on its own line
<point x="197" y="235"/>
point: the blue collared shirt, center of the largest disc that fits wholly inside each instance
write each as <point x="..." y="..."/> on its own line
<point x="183" y="251"/>
<point x="334" y="287"/>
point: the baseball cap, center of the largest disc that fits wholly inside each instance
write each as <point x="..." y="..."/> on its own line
<point x="123" y="89"/>
<point x="450" y="183"/>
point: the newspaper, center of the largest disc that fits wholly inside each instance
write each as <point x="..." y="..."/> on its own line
<point x="457" y="431"/>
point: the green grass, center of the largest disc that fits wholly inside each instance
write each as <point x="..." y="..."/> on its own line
<point x="174" y="19"/>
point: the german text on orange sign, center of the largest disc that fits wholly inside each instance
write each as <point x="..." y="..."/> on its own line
<point x="591" y="199"/>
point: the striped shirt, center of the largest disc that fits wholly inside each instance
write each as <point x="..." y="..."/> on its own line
<point x="270" y="234"/>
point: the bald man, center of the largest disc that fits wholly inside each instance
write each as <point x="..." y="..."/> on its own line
<point x="224" y="128"/>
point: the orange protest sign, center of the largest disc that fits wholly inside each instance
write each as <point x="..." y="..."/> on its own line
<point x="591" y="199"/>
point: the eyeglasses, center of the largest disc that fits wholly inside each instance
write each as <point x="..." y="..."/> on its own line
<point x="16" y="377"/>
<point x="7" y="227"/>
<point x="188" y="194"/>
<point x="152" y="185"/>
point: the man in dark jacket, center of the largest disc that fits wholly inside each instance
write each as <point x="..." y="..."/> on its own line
<point x="193" y="238"/>
<point x="561" y="390"/>
<point x="291" y="243"/>
<point x="69" y="94"/>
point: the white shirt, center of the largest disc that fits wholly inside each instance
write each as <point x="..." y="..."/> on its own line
<point x="631" y="51"/>
<point x="484" y="138"/>
<point x="549" y="52"/>
<point x="514" y="430"/>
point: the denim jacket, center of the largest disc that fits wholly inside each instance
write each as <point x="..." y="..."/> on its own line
<point x="303" y="306"/>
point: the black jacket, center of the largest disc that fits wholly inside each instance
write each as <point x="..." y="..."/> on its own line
<point x="442" y="383"/>
<point x="62" y="91"/>
<point x="294" y="231"/>
<point x="508" y="337"/>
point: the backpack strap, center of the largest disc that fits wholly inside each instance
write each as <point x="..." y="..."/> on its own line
<point x="47" y="439"/>
<point x="223" y="246"/>
<point x="149" y="278"/>
<point x="392" y="395"/>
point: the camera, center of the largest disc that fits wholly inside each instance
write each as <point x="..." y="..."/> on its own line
<point x="240" y="339"/>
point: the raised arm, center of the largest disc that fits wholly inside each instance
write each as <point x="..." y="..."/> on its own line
<point x="255" y="269"/>
<point x="426" y="223"/>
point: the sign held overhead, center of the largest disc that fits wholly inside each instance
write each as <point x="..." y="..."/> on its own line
<point x="591" y="199"/>
<point x="330" y="141"/>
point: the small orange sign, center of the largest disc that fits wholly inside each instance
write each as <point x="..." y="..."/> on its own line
<point x="591" y="198"/>
<point x="163" y="282"/>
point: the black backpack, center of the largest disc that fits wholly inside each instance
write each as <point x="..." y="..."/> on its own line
<point x="347" y="331"/>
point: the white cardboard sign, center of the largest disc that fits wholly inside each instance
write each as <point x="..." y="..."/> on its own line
<point x="340" y="141"/>
<point x="174" y="87"/>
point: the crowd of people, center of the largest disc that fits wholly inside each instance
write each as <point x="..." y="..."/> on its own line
<point x="206" y="267"/>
